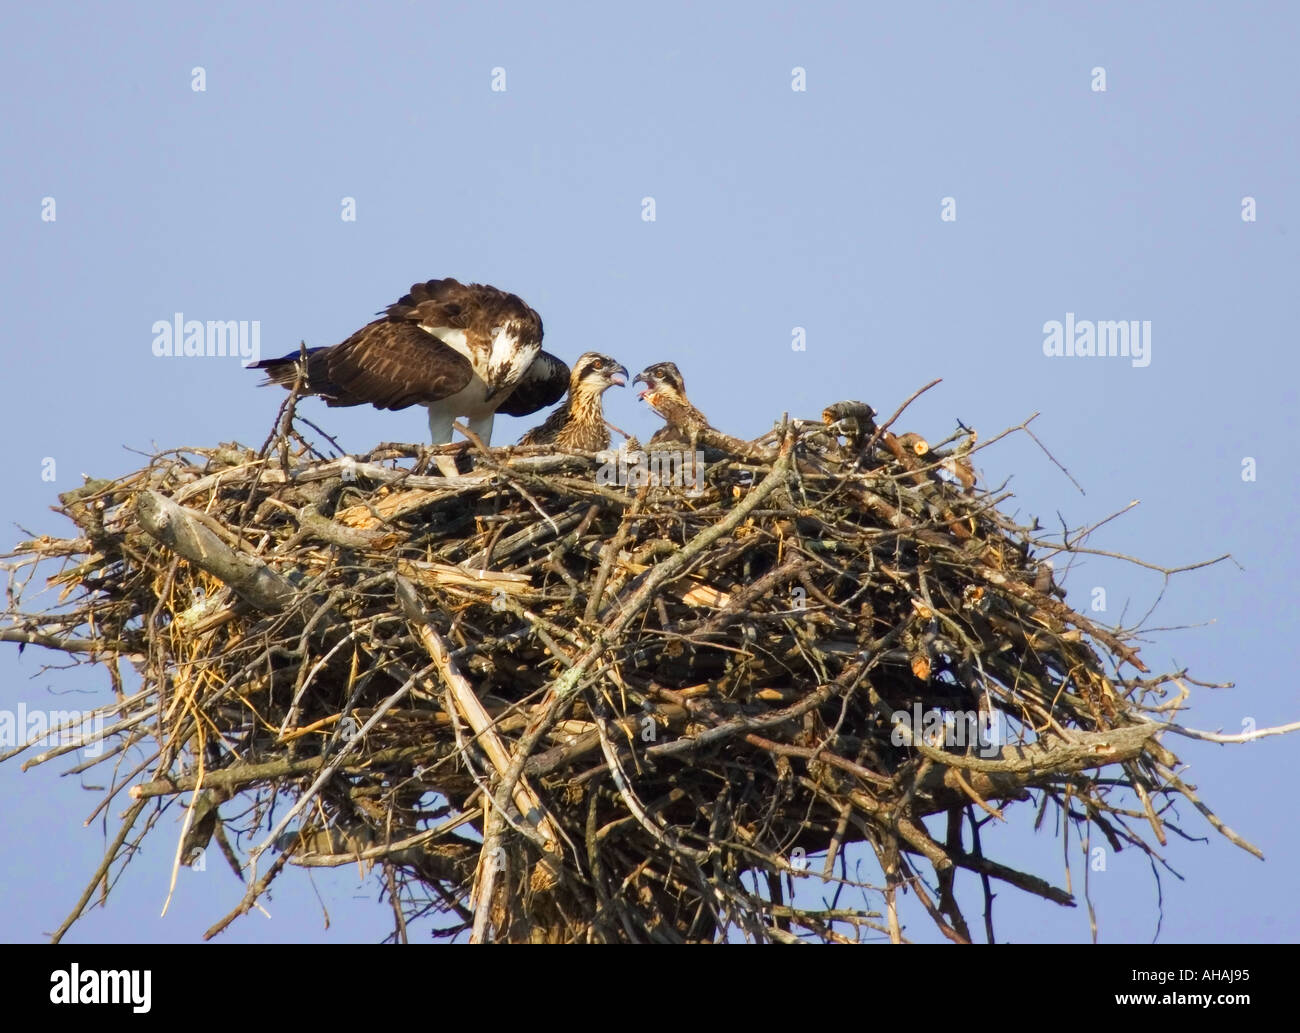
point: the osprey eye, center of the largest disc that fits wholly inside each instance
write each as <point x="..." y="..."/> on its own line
<point x="597" y="364"/>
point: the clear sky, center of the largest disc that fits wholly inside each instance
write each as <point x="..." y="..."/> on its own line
<point x="775" y="208"/>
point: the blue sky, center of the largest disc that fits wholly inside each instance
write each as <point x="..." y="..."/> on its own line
<point x="774" y="209"/>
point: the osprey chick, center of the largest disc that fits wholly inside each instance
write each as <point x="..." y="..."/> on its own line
<point x="580" y="421"/>
<point x="665" y="391"/>
<point x="460" y="350"/>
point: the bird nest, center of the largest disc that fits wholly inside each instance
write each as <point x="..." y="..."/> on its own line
<point x="764" y="690"/>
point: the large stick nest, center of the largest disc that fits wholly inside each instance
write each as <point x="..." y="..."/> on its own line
<point x="544" y="706"/>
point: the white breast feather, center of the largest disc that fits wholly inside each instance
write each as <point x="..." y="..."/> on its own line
<point x="507" y="359"/>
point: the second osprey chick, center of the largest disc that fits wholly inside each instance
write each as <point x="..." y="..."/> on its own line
<point x="580" y="422"/>
<point x="665" y="392"/>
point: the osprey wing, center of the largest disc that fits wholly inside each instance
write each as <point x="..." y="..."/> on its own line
<point x="393" y="365"/>
<point x="465" y="315"/>
<point x="543" y="384"/>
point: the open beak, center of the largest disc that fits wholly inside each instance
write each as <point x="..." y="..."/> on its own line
<point x="641" y="378"/>
<point x="618" y="377"/>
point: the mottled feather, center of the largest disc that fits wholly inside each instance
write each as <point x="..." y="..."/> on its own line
<point x="580" y="422"/>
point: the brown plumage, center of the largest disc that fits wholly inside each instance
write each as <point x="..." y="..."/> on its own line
<point x="464" y="351"/>
<point x="580" y="422"/>
<point x="665" y="391"/>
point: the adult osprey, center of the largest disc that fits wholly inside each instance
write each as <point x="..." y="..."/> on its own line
<point x="461" y="350"/>
<point x="580" y="421"/>
<point x="665" y="391"/>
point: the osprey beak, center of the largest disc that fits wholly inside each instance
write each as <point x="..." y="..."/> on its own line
<point x="619" y="376"/>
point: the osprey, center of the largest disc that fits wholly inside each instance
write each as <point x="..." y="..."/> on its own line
<point x="665" y="391"/>
<point x="580" y="421"/>
<point x="460" y="350"/>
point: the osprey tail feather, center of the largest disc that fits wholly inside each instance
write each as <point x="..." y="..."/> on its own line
<point x="283" y="372"/>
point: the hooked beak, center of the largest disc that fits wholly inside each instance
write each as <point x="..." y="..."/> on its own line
<point x="619" y="376"/>
<point x="641" y="378"/>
